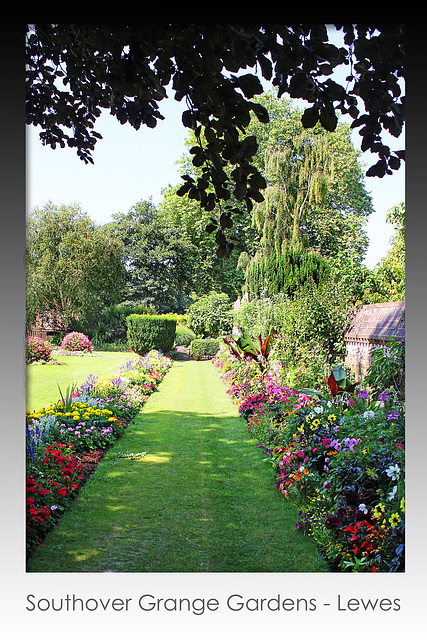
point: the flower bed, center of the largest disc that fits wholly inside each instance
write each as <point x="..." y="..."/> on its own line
<point x="67" y="439"/>
<point x="339" y="458"/>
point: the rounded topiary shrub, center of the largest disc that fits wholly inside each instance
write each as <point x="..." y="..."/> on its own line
<point x="76" y="341"/>
<point x="204" y="348"/>
<point x="37" y="350"/>
<point x="145" y="332"/>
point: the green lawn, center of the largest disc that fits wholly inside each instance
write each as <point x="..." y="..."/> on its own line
<point x="201" y="500"/>
<point x="42" y="379"/>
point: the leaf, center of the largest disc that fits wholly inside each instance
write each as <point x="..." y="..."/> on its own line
<point x="249" y="84"/>
<point x="312" y="393"/>
<point x="377" y="169"/>
<point x="245" y="343"/>
<point x="328" y="118"/>
<point x="225" y="221"/>
<point x="234" y="350"/>
<point x="260" y="112"/>
<point x="188" y="119"/>
<point x="332" y="383"/>
<point x="255" y="195"/>
<point x="394" y="162"/>
<point x="183" y="190"/>
<point x="266" y="67"/>
<point x="267" y="345"/>
<point x="310" y="117"/>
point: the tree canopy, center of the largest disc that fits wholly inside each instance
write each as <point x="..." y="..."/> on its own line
<point x="73" y="266"/>
<point x="75" y="71"/>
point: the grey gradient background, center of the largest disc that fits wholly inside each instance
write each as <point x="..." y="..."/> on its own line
<point x="326" y="621"/>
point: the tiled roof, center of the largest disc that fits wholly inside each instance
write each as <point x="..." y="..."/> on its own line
<point x="378" y="322"/>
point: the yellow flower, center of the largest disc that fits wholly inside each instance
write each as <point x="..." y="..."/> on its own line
<point x="378" y="510"/>
<point x="394" y="520"/>
<point x="402" y="505"/>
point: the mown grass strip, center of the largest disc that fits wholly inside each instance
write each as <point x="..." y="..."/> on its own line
<point x="199" y="500"/>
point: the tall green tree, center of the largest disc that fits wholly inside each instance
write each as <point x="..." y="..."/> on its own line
<point x="209" y="272"/>
<point x="73" y="266"/>
<point x="390" y="271"/>
<point x="315" y="195"/>
<point x="159" y="259"/>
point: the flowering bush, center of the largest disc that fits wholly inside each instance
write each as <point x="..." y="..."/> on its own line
<point x="37" y="350"/>
<point x="338" y="457"/>
<point x="76" y="341"/>
<point x="79" y="427"/>
<point x="50" y="490"/>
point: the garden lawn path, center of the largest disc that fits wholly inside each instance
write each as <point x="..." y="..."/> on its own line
<point x="200" y="500"/>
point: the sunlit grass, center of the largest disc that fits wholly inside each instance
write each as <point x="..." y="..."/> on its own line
<point x="42" y="379"/>
<point x="200" y="500"/>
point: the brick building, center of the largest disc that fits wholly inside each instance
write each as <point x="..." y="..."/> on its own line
<point x="372" y="326"/>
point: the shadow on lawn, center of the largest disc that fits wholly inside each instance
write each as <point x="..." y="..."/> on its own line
<point x="200" y="499"/>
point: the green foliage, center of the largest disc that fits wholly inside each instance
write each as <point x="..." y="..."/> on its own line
<point x="244" y="347"/>
<point x="390" y="271"/>
<point x="309" y="329"/>
<point x="387" y="370"/>
<point x="126" y="69"/>
<point x="74" y="267"/>
<point x="159" y="259"/>
<point x="208" y="271"/>
<point x="184" y="336"/>
<point x="204" y="348"/>
<point x="285" y="273"/>
<point x="150" y="332"/>
<point x="210" y="315"/>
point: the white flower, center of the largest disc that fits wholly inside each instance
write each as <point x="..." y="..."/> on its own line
<point x="393" y="472"/>
<point x="369" y="414"/>
<point x="318" y="409"/>
<point x="363" y="507"/>
<point x="392" y="493"/>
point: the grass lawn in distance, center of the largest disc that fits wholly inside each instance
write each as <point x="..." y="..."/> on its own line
<point x="42" y="379"/>
<point x="201" y="500"/>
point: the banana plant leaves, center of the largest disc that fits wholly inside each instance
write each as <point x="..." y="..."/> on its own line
<point x="244" y="347"/>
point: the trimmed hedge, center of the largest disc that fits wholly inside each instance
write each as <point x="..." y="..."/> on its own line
<point x="145" y="332"/>
<point x="204" y="348"/>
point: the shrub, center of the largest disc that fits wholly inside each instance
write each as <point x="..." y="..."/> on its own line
<point x="204" y="348"/>
<point x="184" y="336"/>
<point x="387" y="370"/>
<point x="37" y="350"/>
<point x="150" y="332"/>
<point x="211" y="315"/>
<point x="76" y="341"/>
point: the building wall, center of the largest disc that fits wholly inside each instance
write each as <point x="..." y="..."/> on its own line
<point x="358" y="356"/>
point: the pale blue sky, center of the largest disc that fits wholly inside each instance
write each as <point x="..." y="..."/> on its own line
<point x="130" y="166"/>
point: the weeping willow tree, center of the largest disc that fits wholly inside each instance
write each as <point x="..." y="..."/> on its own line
<point x="298" y="177"/>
